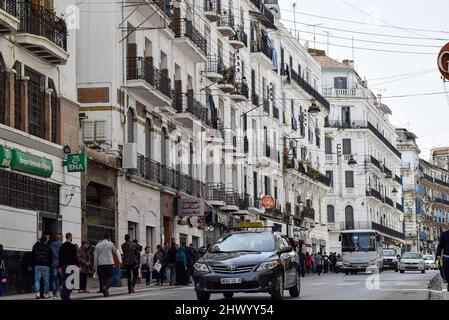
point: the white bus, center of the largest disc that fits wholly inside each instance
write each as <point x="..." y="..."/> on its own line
<point x="361" y="251"/>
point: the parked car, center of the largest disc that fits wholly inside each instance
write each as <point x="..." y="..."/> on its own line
<point x="429" y="262"/>
<point x="412" y="261"/>
<point x="248" y="262"/>
<point x="391" y="261"/>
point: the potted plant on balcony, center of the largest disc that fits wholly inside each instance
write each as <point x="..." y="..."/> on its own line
<point x="228" y="76"/>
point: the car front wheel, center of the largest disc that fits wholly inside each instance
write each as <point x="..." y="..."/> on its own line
<point x="202" y="296"/>
<point x="279" y="293"/>
<point x="294" y="291"/>
<point x="423" y="271"/>
<point x="401" y="271"/>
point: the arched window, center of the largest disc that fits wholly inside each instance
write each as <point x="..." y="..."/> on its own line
<point x="349" y="218"/>
<point x="130" y="125"/>
<point x="148" y="140"/>
<point x="164" y="138"/>
<point x="330" y="214"/>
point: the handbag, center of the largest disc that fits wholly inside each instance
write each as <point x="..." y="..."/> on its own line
<point x="157" y="266"/>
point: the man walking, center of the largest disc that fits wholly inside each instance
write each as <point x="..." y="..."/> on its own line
<point x="326" y="262"/>
<point x="129" y="249"/>
<point x="442" y="254"/>
<point x="318" y="263"/>
<point x="41" y="257"/>
<point x="84" y="264"/>
<point x="104" y="263"/>
<point x="171" y="260"/>
<point x="55" y="277"/>
<point x="302" y="261"/>
<point x="68" y="256"/>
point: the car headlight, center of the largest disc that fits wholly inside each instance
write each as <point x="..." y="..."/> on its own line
<point x="268" y="265"/>
<point x="201" y="267"/>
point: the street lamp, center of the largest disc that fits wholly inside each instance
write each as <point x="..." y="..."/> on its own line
<point x="314" y="109"/>
<point x="394" y="191"/>
<point x="352" y="162"/>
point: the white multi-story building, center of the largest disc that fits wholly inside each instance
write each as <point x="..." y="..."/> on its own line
<point x="38" y="116"/>
<point x="361" y="157"/>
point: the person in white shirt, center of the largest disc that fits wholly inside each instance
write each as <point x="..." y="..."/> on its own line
<point x="104" y="263"/>
<point x="147" y="265"/>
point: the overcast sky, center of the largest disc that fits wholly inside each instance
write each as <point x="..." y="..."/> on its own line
<point x="391" y="74"/>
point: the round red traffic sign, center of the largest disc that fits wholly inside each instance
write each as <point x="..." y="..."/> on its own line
<point x="268" y="202"/>
<point x="443" y="61"/>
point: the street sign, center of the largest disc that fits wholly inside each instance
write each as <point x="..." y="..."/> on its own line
<point x="76" y="162"/>
<point x="268" y="202"/>
<point x="5" y="157"/>
<point x="256" y="224"/>
<point x="443" y="61"/>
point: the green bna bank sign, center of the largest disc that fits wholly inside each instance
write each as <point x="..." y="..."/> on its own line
<point x="25" y="162"/>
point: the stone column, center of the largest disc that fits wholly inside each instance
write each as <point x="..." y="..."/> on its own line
<point x="10" y="101"/>
<point x="47" y="115"/>
<point x="24" y="104"/>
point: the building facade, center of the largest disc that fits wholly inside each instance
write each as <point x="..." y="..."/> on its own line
<point x="38" y="116"/>
<point x="361" y="157"/>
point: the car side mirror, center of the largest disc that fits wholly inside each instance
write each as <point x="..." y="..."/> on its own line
<point x="286" y="249"/>
<point x="202" y="251"/>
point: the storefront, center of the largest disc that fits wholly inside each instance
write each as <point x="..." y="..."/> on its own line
<point x="167" y="218"/>
<point x="190" y="213"/>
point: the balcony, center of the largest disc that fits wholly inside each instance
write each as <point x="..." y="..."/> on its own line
<point x="369" y="225"/>
<point x="215" y="68"/>
<point x="346" y="93"/>
<point x="148" y="82"/>
<point x="255" y="99"/>
<point x="190" y="40"/>
<point x="441" y="182"/>
<point x="262" y="53"/>
<point x="226" y="25"/>
<point x="212" y="10"/>
<point x="346" y="124"/>
<point x="214" y="194"/>
<point x="240" y="93"/>
<point x="154" y="172"/>
<point x="262" y="13"/>
<point x="42" y="32"/>
<point x="375" y="162"/>
<point x="306" y="170"/>
<point x="190" y="110"/>
<point x="8" y="21"/>
<point x="442" y="201"/>
<point x="227" y="83"/>
<point x="383" y="139"/>
<point x="374" y="193"/>
<point x="389" y="202"/>
<point x="99" y="220"/>
<point x="398" y="179"/>
<point x="309" y="89"/>
<point x="275" y="213"/>
<point x="240" y="39"/>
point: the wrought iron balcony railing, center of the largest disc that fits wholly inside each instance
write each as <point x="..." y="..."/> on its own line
<point x="9" y="6"/>
<point x="212" y="6"/>
<point x="187" y="103"/>
<point x="389" y="201"/>
<point x="264" y="10"/>
<point x="184" y="28"/>
<point x="227" y="20"/>
<point x="241" y="88"/>
<point x="399" y="207"/>
<point x="215" y="64"/>
<point x="40" y="21"/>
<point x="263" y="47"/>
<point x="309" y="89"/>
<point x="240" y="35"/>
<point x="374" y="193"/>
<point x="375" y="162"/>
<point x="381" y="137"/>
<point x="139" y="68"/>
<point x="165" y="6"/>
<point x="308" y="213"/>
<point x="275" y="112"/>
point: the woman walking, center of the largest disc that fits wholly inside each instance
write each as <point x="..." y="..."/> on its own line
<point x="181" y="267"/>
<point x="147" y="265"/>
<point x="308" y="263"/>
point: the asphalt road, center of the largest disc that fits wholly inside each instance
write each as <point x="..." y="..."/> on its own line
<point x="389" y="285"/>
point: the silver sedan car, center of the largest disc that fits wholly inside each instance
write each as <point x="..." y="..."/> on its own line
<point x="412" y="261"/>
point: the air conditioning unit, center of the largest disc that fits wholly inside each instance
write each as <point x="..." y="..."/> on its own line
<point x="89" y="131"/>
<point x="129" y="156"/>
<point x="100" y="131"/>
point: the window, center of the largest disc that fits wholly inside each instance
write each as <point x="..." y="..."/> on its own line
<point x="349" y="179"/>
<point x="340" y="83"/>
<point x="267" y="185"/>
<point x="149" y="237"/>
<point x="346" y="116"/>
<point x="256" y="194"/>
<point x="328" y="145"/>
<point x="349" y="218"/>
<point x="17" y="96"/>
<point x="303" y="153"/>
<point x="54" y="111"/>
<point x="330" y="214"/>
<point x="346" y="146"/>
<point x="330" y="175"/>
<point x="130" y="125"/>
<point x="132" y="230"/>
<point x="36" y="105"/>
<point x="148" y="142"/>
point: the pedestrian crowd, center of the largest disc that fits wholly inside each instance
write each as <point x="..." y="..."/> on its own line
<point x="317" y="263"/>
<point x="51" y="261"/>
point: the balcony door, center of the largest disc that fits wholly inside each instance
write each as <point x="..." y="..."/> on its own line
<point x="349" y="218"/>
<point x="346" y="116"/>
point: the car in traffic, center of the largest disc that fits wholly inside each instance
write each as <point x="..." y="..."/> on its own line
<point x="391" y="261"/>
<point x="429" y="262"/>
<point x="249" y="262"/>
<point x="412" y="261"/>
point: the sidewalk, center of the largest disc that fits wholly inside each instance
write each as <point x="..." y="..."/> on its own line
<point x="113" y="291"/>
<point x="438" y="289"/>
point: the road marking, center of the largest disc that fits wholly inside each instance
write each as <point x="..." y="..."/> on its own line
<point x="404" y="289"/>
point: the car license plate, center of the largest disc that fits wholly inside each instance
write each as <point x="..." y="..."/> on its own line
<point x="231" y="280"/>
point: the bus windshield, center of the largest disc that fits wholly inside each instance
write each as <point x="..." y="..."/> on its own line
<point x="358" y="242"/>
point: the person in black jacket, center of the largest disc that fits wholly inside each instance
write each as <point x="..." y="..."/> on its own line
<point x="443" y="250"/>
<point x="41" y="259"/>
<point x="68" y="256"/>
<point x="171" y="260"/>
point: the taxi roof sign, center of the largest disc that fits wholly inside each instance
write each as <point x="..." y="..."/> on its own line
<point x="257" y="224"/>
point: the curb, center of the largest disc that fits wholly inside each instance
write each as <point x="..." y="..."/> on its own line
<point x="435" y="288"/>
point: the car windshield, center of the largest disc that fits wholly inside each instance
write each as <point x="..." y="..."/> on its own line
<point x="389" y="253"/>
<point x="412" y="255"/>
<point x="244" y="242"/>
<point x="358" y="242"/>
